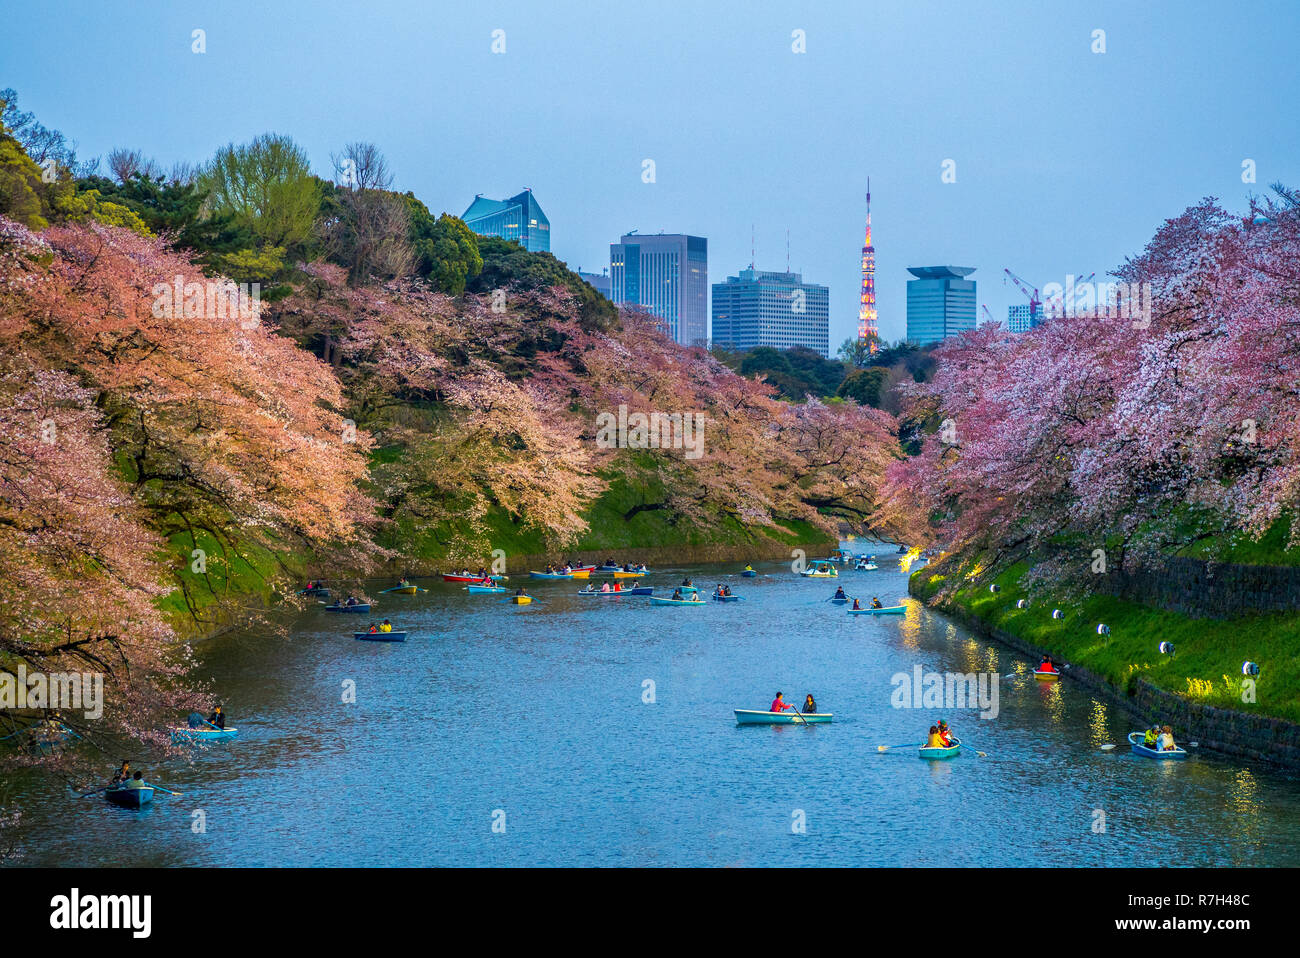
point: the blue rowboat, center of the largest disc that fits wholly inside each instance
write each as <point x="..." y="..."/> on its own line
<point x="761" y="717"/>
<point x="941" y="753"/>
<point x="361" y="608"/>
<point x="129" y="797"/>
<point x="610" y="568"/>
<point x="1135" y="739"/>
<point x="840" y="599"/>
<point x="485" y="590"/>
<point x="551" y="575"/>
<point x="686" y="589"/>
<point x="749" y="573"/>
<point x="321" y="591"/>
<point x="888" y="610"/>
<point x="380" y="636"/>
<point x="725" y="598"/>
<point x="189" y="736"/>
<point x="639" y="590"/>
<point x="656" y="600"/>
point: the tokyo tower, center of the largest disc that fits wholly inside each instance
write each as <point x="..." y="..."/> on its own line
<point x="867" y="308"/>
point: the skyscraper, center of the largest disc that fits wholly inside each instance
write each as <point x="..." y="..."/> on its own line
<point x="518" y="218"/>
<point x="780" y="310"/>
<point x="1022" y="318"/>
<point x="940" y="303"/>
<point x="867" y="325"/>
<point x="668" y="274"/>
<point x="598" y="281"/>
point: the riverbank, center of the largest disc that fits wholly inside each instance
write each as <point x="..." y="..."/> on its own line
<point x="1200" y="689"/>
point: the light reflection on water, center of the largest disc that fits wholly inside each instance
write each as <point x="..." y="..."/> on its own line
<point x="540" y="711"/>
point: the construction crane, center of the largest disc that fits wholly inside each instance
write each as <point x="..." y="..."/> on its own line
<point x="988" y="317"/>
<point x="1034" y="303"/>
<point x="1057" y="306"/>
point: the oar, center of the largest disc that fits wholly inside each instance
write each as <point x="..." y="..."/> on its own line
<point x="210" y="725"/>
<point x="162" y="789"/>
<point x="95" y="792"/>
<point x="976" y="751"/>
<point x="886" y="748"/>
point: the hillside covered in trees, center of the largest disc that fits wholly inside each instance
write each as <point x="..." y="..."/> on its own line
<point x="219" y="378"/>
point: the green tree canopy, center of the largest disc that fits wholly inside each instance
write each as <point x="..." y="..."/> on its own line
<point x="267" y="187"/>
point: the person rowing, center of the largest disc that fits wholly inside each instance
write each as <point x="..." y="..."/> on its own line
<point x="352" y="600"/>
<point x="839" y="593"/>
<point x="122" y="774"/>
<point x="686" y="581"/>
<point x="1046" y="665"/>
<point x="875" y="603"/>
<point x="373" y="630"/>
<point x="1150" y="737"/>
<point x="218" y="717"/>
<point x="945" y="734"/>
<point x="749" y="568"/>
<point x="779" y="704"/>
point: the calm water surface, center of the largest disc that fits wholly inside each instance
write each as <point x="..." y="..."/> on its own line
<point x="537" y="712"/>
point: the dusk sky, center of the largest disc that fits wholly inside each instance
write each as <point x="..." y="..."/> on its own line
<point x="1066" y="160"/>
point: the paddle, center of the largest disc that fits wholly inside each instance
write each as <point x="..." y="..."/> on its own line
<point x="95" y="792"/>
<point x="975" y="750"/>
<point x="162" y="789"/>
<point x="886" y="748"/>
<point x="210" y="725"/>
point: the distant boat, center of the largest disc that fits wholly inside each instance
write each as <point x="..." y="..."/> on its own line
<point x="485" y="589"/>
<point x="453" y="577"/>
<point x="638" y="590"/>
<point x="656" y="600"/>
<point x="129" y="796"/>
<point x="941" y="753"/>
<point x="550" y="575"/>
<point x="380" y="636"/>
<point x="760" y="717"/>
<point x="888" y="610"/>
<point x="190" y="736"/>
<point x="360" y="607"/>
<point x="404" y="590"/>
<point x="1135" y="740"/>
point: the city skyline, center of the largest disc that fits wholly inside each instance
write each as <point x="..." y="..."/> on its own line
<point x="1024" y="194"/>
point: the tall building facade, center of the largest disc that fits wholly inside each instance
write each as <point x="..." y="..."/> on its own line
<point x="940" y="303"/>
<point x="667" y="274"/>
<point x="755" y="308"/>
<point x="518" y="218"/>
<point x="867" y="323"/>
<point x="1021" y="319"/>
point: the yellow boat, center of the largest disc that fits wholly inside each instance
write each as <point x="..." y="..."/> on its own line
<point x="521" y="599"/>
<point x="628" y="575"/>
<point x="581" y="573"/>
<point x="1046" y="676"/>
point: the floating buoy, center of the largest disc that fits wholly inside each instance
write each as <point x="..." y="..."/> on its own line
<point x="1023" y="603"/>
<point x="995" y="587"/>
<point x="1249" y="668"/>
<point x="1103" y="629"/>
<point x="1167" y="648"/>
<point x="1058" y="614"/>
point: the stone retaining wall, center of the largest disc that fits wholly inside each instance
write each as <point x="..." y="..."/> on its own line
<point x="1209" y="590"/>
<point x="1239" y="734"/>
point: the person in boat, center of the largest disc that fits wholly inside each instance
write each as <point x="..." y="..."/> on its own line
<point x="876" y="604"/>
<point x="935" y="740"/>
<point x="1165" y="742"/>
<point x="779" y="704"/>
<point x="1046" y="665"/>
<point x="385" y="626"/>
<point x="374" y="629"/>
<point x="218" y="717"/>
<point x="678" y="594"/>
<point x="1150" y="737"/>
<point x="618" y="586"/>
<point x="839" y="592"/>
<point x="857" y="605"/>
<point x="122" y="774"/>
<point x="687" y="581"/>
<point x="945" y="734"/>
<point x="519" y="592"/>
<point x="605" y="588"/>
<point x="352" y="600"/>
<point x="136" y="782"/>
<point x="809" y="705"/>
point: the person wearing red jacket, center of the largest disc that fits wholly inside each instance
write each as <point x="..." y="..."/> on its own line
<point x="779" y="704"/>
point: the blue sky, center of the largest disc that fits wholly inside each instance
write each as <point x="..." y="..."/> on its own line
<point x="1066" y="160"/>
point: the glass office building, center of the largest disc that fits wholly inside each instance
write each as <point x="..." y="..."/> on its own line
<point x="667" y="274"/>
<point x="940" y="303"/>
<point x="780" y="310"/>
<point x="1021" y="319"/>
<point x="518" y="218"/>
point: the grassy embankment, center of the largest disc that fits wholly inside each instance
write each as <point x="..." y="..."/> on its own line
<point x="1209" y="653"/>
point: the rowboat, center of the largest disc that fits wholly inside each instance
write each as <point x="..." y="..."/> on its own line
<point x="869" y="567"/>
<point x="129" y="797"/>
<point x="888" y="610"/>
<point x="1135" y="739"/>
<point x="321" y="591"/>
<point x="749" y="573"/>
<point x="687" y="589"/>
<point x="404" y="590"/>
<point x="521" y="599"/>
<point x="656" y="600"/>
<point x="610" y="568"/>
<point x="639" y="590"/>
<point x="583" y="568"/>
<point x="188" y="736"/>
<point x="821" y="569"/>
<point x="622" y="574"/>
<point x="582" y="573"/>
<point x="551" y="575"/>
<point x="759" y="717"/>
<point x="840" y="599"/>
<point x="1046" y="676"/>
<point x="725" y="598"/>
<point x="940" y="753"/>
<point x="380" y="636"/>
<point x="360" y="607"/>
<point x="450" y="577"/>
<point x="485" y="589"/>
